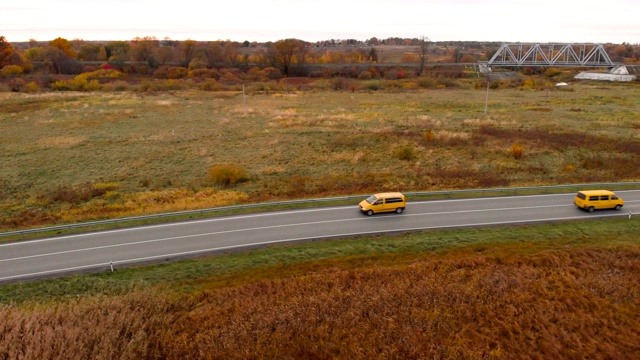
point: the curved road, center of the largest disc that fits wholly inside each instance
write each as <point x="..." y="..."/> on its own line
<point x="96" y="251"/>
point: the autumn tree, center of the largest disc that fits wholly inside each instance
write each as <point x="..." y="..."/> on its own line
<point x="230" y="52"/>
<point x="283" y="53"/>
<point x="65" y="46"/>
<point x="57" y="55"/>
<point x="213" y="53"/>
<point x="166" y="54"/>
<point x="144" y="49"/>
<point x="89" y="51"/>
<point x="373" y="55"/>
<point x="188" y="51"/>
<point x="118" y="49"/>
<point x="118" y="53"/>
<point x="423" y="46"/>
<point x="35" y="53"/>
<point x="102" y="55"/>
<point x="7" y="53"/>
<point x="457" y="54"/>
<point x="58" y="61"/>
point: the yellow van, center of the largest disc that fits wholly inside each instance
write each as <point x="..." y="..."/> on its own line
<point x="383" y="202"/>
<point x="597" y="199"/>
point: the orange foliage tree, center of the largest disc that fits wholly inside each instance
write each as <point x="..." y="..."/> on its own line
<point x="9" y="56"/>
<point x="64" y="45"/>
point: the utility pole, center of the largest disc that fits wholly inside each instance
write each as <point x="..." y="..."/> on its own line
<point x="486" y="101"/>
<point x="244" y="101"/>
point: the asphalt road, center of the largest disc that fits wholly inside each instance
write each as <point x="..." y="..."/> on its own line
<point x="98" y="251"/>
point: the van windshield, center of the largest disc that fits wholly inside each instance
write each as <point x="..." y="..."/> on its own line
<point x="371" y="199"/>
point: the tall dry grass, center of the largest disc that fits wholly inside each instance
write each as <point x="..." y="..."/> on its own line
<point x="495" y="302"/>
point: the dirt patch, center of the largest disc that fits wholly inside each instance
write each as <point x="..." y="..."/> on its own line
<point x="61" y="141"/>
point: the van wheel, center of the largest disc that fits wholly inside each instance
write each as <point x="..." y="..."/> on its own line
<point x="399" y="210"/>
<point x="370" y="212"/>
<point x="590" y="209"/>
<point x="618" y="207"/>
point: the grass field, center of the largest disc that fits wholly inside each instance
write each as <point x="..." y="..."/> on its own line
<point x="561" y="290"/>
<point x="79" y="156"/>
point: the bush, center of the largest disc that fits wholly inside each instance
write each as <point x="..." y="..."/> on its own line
<point x="272" y="73"/>
<point x="101" y="74"/>
<point x="230" y="77"/>
<point x="405" y="153"/>
<point x="228" y="174"/>
<point x="445" y="82"/>
<point x="427" y="82"/>
<point x="79" y="83"/>
<point x="11" y="70"/>
<point x="365" y="75"/>
<point x="171" y="72"/>
<point x="374" y="85"/>
<point x="551" y="72"/>
<point x="210" y="85"/>
<point x="517" y="151"/>
<point x="60" y="85"/>
<point x="17" y="84"/>
<point x="31" y="87"/>
<point x="429" y="136"/>
<point x="341" y="83"/>
<point x="167" y="85"/>
<point x="81" y="193"/>
<point x="205" y="73"/>
<point x="116" y="86"/>
<point x="197" y="63"/>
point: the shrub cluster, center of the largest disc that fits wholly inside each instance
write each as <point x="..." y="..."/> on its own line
<point x="81" y="193"/>
<point x="88" y="81"/>
<point x="171" y="72"/>
<point x="406" y="152"/>
<point x="228" y="174"/>
<point x="517" y="151"/>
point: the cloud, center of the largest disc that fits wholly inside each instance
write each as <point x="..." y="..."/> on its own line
<point x="313" y="20"/>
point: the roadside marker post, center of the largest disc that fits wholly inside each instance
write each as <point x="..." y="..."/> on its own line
<point x="111" y="263"/>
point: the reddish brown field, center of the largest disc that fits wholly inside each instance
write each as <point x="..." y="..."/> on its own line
<point x="550" y="301"/>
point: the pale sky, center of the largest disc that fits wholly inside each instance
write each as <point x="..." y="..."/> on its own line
<point x="562" y="21"/>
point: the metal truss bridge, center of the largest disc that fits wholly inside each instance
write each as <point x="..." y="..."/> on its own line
<point x="577" y="55"/>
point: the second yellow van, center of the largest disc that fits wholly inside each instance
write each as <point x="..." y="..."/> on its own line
<point x="383" y="202"/>
<point x="597" y="199"/>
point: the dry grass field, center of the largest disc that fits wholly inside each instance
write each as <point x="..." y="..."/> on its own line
<point x="70" y="157"/>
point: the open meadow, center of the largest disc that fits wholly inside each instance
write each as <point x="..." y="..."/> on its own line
<point x="70" y="157"/>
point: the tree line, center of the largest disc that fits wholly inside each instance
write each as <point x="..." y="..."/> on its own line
<point x="146" y="54"/>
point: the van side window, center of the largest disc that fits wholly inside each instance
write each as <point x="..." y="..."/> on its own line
<point x="604" y="197"/>
<point x="393" y="200"/>
<point x="594" y="198"/>
<point x="613" y="197"/>
<point x="379" y="202"/>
